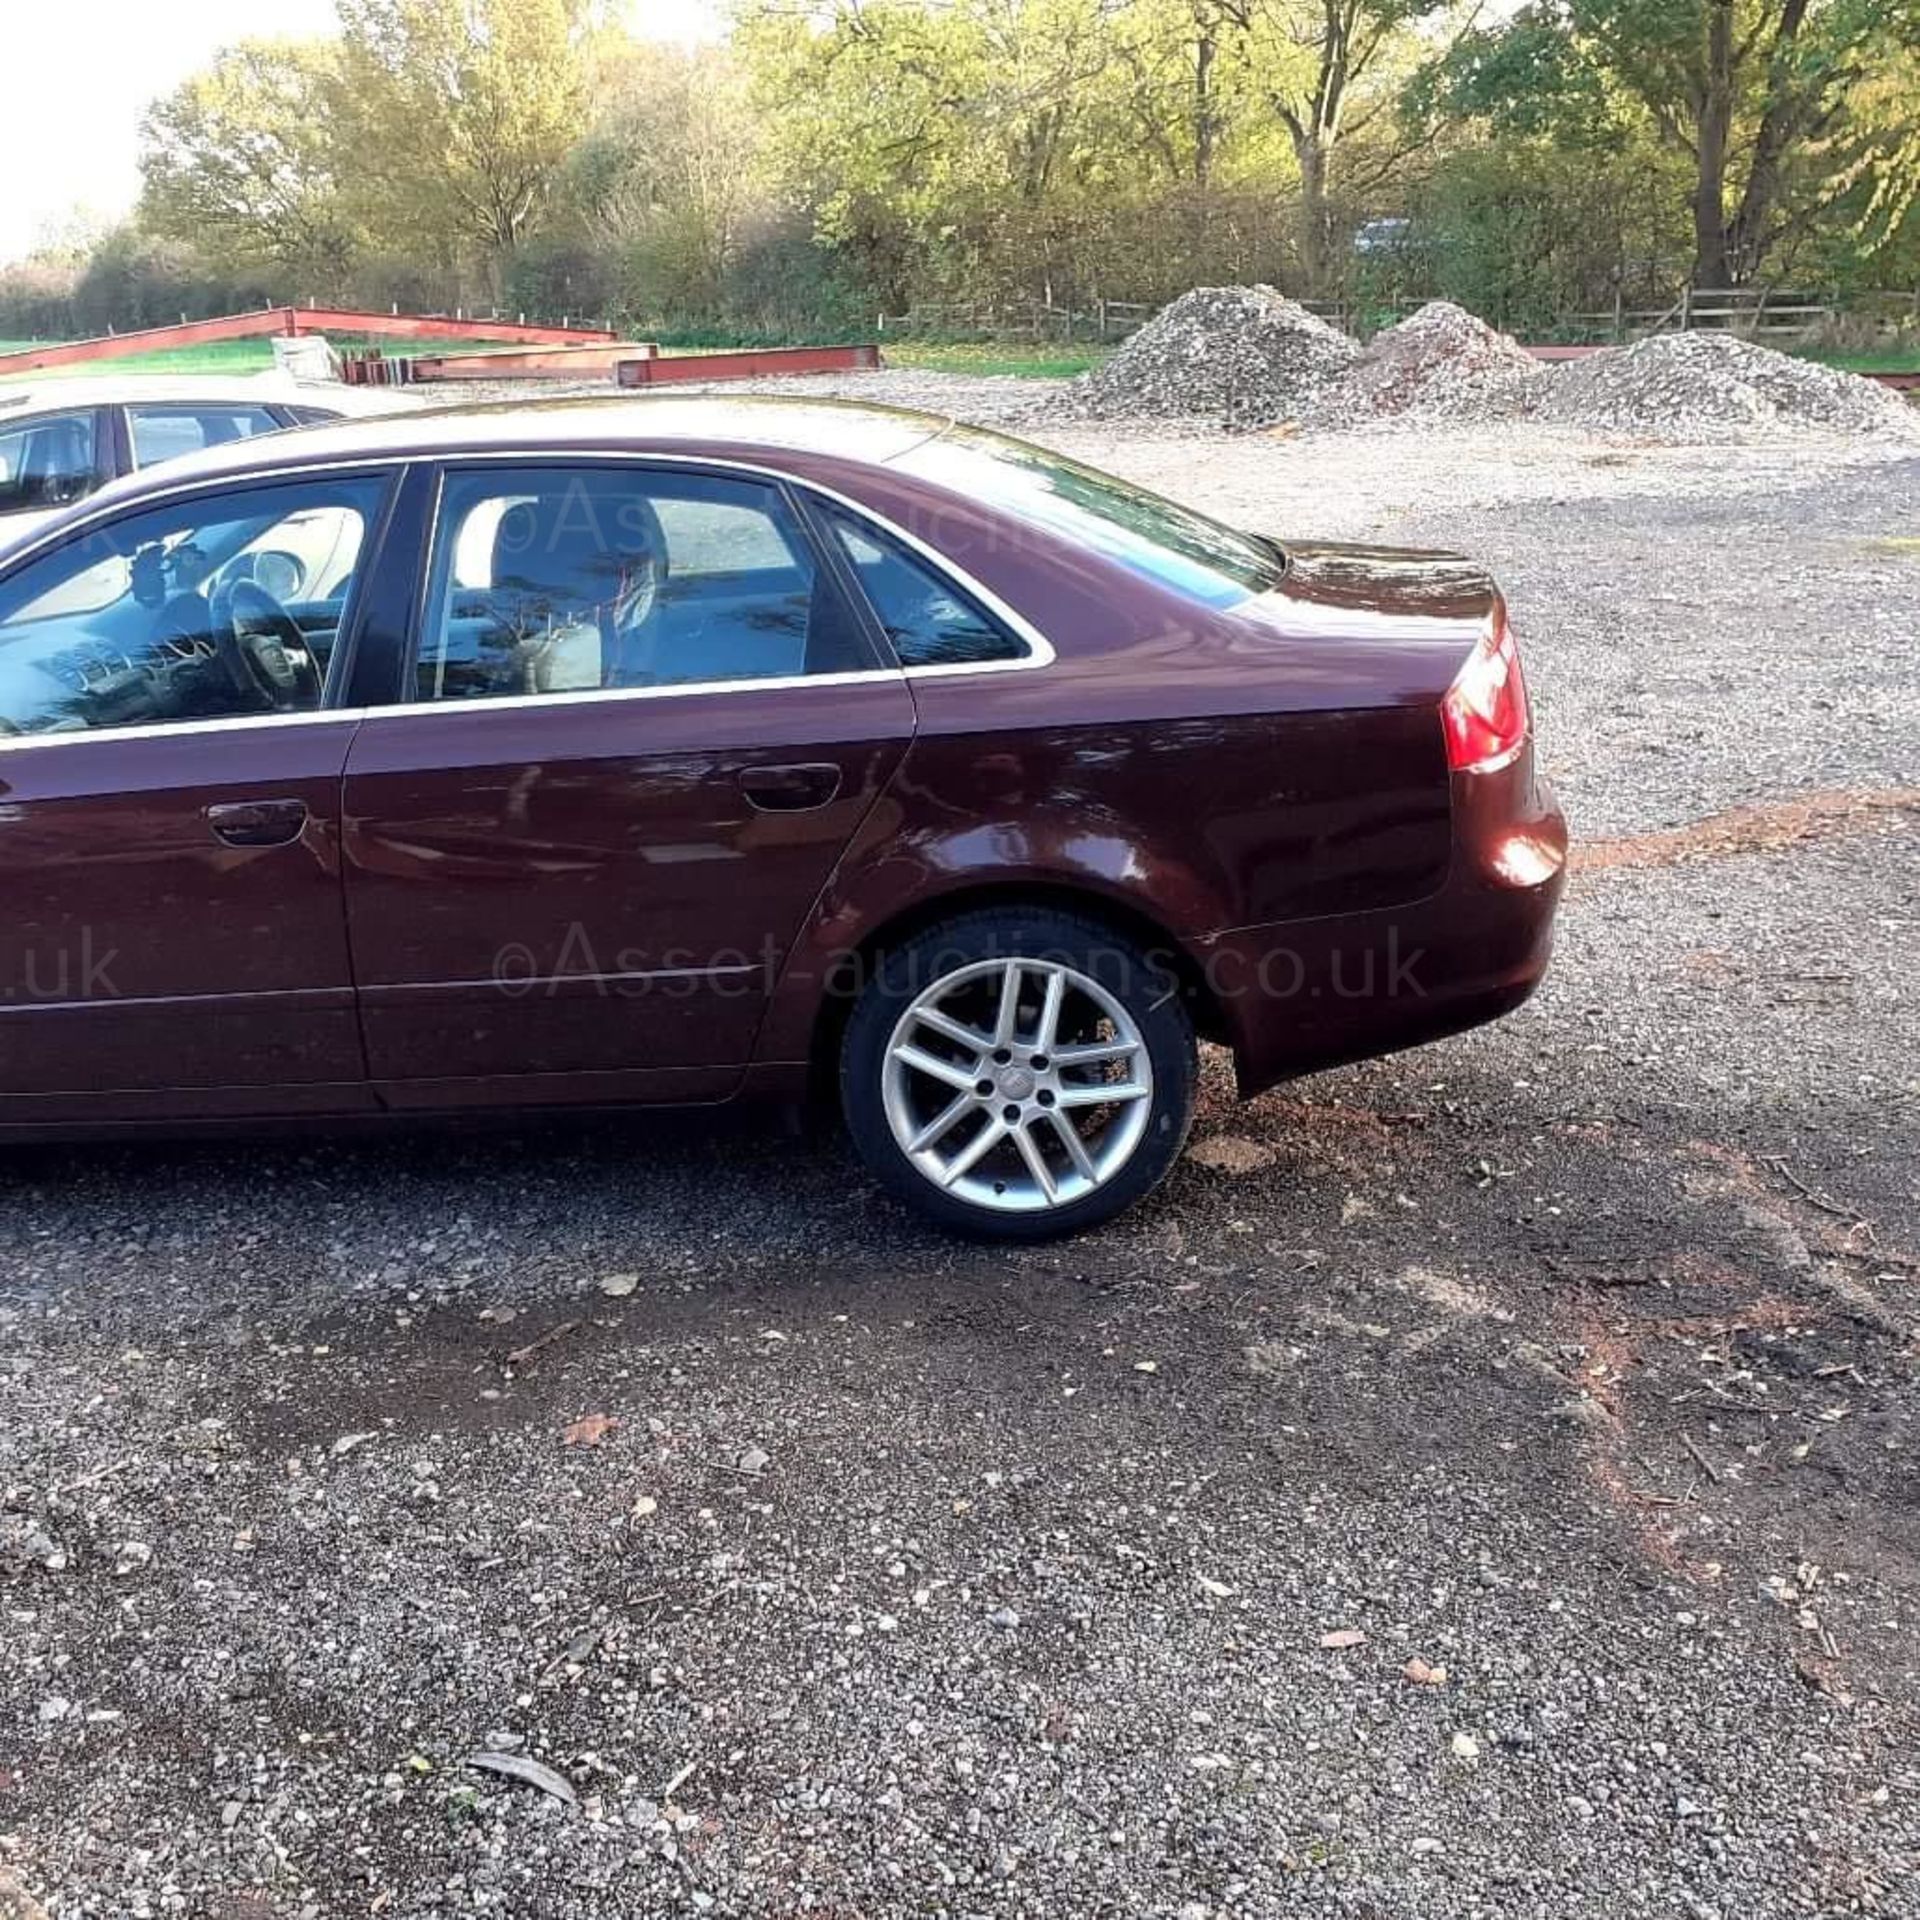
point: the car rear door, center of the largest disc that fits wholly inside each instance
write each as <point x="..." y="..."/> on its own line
<point x="639" y="727"/>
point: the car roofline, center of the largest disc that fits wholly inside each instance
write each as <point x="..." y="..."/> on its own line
<point x="169" y="482"/>
<point x="512" y="429"/>
<point x="635" y="423"/>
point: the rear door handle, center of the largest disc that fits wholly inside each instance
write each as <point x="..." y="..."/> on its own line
<point x="790" y="789"/>
<point x="259" y="823"/>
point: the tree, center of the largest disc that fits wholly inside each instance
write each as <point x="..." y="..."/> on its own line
<point x="1185" y="63"/>
<point x="933" y="143"/>
<point x="460" y="114"/>
<point x="1329" y="69"/>
<point x="1762" y="97"/>
<point x="241" y="158"/>
<point x="670" y="173"/>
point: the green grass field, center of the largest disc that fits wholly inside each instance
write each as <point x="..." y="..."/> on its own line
<point x="256" y="356"/>
<point x="224" y="356"/>
<point x="1040" y="362"/>
<point x="1037" y="363"/>
<point x="1896" y="360"/>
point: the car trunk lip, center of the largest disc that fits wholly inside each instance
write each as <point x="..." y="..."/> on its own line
<point x="1404" y="584"/>
<point x="1390" y="625"/>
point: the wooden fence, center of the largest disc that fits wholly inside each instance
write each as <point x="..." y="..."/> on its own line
<point x="1776" y="316"/>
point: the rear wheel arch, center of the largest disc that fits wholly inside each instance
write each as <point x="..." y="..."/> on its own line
<point x="1126" y="921"/>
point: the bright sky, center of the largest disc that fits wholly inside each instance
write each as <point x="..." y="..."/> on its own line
<point x="81" y="73"/>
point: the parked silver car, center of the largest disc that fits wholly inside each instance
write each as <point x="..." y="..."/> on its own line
<point x="62" y="439"/>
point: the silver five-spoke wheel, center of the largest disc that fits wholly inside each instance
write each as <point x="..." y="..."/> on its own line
<point x="1018" y="1085"/>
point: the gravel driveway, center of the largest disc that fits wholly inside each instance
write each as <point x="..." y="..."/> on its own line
<point x="1483" y="1483"/>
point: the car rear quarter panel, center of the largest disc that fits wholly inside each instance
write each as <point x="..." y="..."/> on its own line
<point x="1267" y="762"/>
<point x="1206" y="770"/>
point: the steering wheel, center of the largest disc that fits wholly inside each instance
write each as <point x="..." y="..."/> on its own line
<point x="263" y="650"/>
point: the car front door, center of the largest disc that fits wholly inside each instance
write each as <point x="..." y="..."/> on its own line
<point x="641" y="724"/>
<point x="174" y="942"/>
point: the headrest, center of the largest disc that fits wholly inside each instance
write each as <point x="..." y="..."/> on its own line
<point x="575" y="549"/>
<point x="57" y="454"/>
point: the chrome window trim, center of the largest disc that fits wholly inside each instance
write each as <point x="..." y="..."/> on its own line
<point x="585" y="696"/>
<point x="419" y="709"/>
<point x="1041" y="650"/>
<point x="173" y="729"/>
<point x="955" y="669"/>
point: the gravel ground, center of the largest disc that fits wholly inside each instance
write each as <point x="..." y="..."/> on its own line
<point x="1483" y="1483"/>
<point x="992" y="400"/>
<point x="1707" y="386"/>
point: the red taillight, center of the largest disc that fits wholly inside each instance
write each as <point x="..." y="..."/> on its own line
<point x="1485" y="711"/>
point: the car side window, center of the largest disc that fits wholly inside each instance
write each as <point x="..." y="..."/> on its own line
<point x="48" y="461"/>
<point x="930" y="621"/>
<point x="172" y="614"/>
<point x="167" y="432"/>
<point x="552" y="580"/>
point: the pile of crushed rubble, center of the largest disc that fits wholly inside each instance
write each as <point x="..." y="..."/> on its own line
<point x="1713" y="385"/>
<point x="1246" y="356"/>
<point x="1440" y="366"/>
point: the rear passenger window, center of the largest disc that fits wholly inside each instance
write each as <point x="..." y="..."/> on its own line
<point x="930" y="622"/>
<point x="555" y="581"/>
<point x="162" y="433"/>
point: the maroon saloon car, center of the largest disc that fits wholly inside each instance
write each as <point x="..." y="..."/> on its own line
<point x="683" y="750"/>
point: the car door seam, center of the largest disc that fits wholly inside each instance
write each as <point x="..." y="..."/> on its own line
<point x="811" y="919"/>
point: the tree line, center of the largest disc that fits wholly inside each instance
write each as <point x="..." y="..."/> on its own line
<point x="831" y="160"/>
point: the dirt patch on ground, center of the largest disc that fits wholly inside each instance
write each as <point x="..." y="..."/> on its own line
<point x="1832" y="814"/>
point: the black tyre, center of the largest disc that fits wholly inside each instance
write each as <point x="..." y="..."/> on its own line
<point x="1019" y="1073"/>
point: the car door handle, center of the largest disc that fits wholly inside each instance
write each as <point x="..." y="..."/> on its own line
<point x="259" y="823"/>
<point x="790" y="789"/>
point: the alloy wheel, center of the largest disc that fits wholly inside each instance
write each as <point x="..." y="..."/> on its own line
<point x="1017" y="1085"/>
